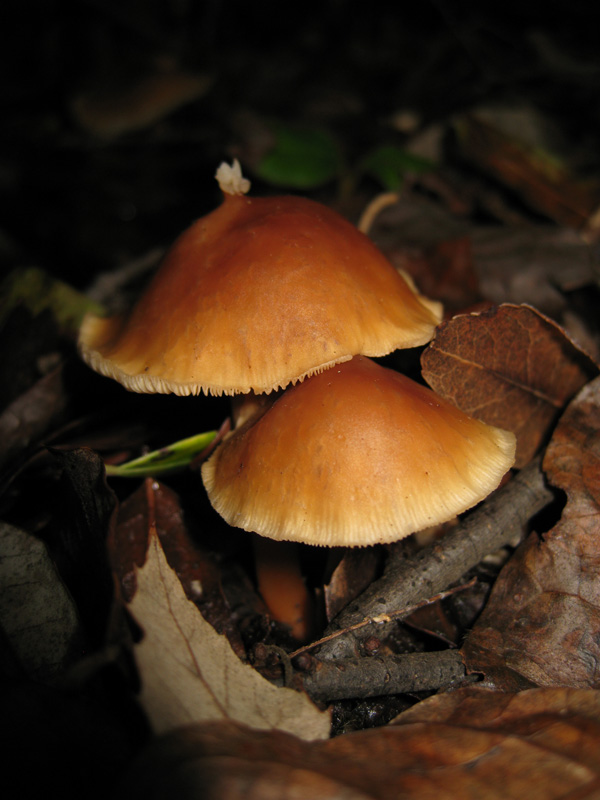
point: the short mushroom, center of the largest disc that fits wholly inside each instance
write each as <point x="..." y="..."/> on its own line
<point x="260" y="293"/>
<point x="357" y="455"/>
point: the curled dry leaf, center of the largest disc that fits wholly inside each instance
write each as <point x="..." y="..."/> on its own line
<point x="509" y="366"/>
<point x="190" y="673"/>
<point x="542" y="623"/>
<point x="541" y="744"/>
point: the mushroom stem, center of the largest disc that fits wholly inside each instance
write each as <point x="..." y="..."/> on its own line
<point x="282" y="587"/>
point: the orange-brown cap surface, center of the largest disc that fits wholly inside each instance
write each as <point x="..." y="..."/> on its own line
<point x="260" y="293"/>
<point x="354" y="456"/>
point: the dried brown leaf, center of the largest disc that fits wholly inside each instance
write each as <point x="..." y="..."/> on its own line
<point x="542" y="744"/>
<point x="156" y="506"/>
<point x="190" y="673"/>
<point x="542" y="624"/>
<point x="509" y="366"/>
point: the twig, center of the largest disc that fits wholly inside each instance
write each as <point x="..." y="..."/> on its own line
<point x="497" y="522"/>
<point x="381" y="618"/>
<point x="376" y="676"/>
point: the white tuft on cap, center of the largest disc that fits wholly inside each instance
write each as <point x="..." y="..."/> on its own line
<point x="231" y="180"/>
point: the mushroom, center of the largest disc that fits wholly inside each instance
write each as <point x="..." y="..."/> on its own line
<point x="357" y="455"/>
<point x="260" y="293"/>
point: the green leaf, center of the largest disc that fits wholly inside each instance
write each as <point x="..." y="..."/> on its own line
<point x="38" y="291"/>
<point x="390" y="165"/>
<point x="302" y="158"/>
<point x="174" y="457"/>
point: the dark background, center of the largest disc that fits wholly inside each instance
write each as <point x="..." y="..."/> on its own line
<point x="76" y="203"/>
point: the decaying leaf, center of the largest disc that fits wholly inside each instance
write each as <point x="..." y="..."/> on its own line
<point x="542" y="623"/>
<point x="509" y="366"/>
<point x="155" y="506"/>
<point x="189" y="672"/>
<point x="541" y="744"/>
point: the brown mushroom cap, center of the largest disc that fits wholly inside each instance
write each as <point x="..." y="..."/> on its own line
<point x="260" y="293"/>
<point x="355" y="456"/>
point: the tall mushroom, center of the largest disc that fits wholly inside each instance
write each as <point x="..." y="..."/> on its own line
<point x="260" y="293"/>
